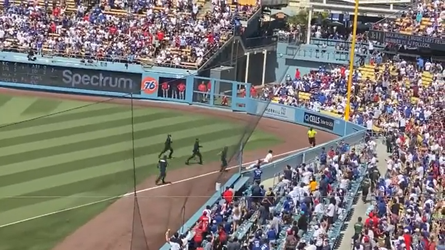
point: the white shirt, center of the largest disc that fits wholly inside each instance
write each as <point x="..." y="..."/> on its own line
<point x="174" y="245"/>
<point x="331" y="210"/>
<point x="369" y="124"/>
<point x="268" y="158"/>
<point x="319" y="208"/>
<point x="306" y="177"/>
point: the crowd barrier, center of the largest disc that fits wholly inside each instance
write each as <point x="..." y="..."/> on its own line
<point x="115" y="80"/>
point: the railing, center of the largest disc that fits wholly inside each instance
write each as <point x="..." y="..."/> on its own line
<point x="259" y="42"/>
<point x="341" y="43"/>
<point x="289" y="38"/>
<point x="274" y="3"/>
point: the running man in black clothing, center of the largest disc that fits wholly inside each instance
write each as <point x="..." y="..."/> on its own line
<point x="167" y="147"/>
<point x="162" y="165"/>
<point x="195" y="152"/>
<point x="223" y="154"/>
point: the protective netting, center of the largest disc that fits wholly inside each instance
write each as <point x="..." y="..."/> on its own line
<point x="179" y="204"/>
<point x="65" y="161"/>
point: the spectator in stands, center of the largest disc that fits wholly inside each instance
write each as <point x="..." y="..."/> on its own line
<point x="116" y="31"/>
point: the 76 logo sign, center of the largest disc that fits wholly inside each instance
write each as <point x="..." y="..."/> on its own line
<point x="149" y="85"/>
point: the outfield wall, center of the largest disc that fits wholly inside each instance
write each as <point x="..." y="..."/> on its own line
<point x="115" y="80"/>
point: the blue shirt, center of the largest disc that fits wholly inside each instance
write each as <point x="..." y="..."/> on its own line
<point x="271" y="234"/>
<point x="256" y="245"/>
<point x="257" y="174"/>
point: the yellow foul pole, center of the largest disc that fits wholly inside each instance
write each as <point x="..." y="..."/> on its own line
<point x="351" y="62"/>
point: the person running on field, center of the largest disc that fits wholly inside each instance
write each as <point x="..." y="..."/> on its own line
<point x="195" y="152"/>
<point x="167" y="147"/>
<point x="224" y="163"/>
<point x="162" y="165"/>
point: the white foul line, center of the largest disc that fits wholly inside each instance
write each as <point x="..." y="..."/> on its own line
<point x="137" y="192"/>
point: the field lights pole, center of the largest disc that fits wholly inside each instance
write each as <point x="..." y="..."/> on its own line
<point x="351" y="61"/>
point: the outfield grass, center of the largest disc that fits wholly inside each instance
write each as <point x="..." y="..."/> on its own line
<point x="84" y="153"/>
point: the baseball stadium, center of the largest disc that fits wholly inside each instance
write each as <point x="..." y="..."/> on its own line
<point x="242" y="125"/>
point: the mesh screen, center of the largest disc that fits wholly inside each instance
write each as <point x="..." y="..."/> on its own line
<point x="54" y="160"/>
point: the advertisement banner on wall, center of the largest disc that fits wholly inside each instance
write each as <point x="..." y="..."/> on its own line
<point x="320" y="121"/>
<point x="276" y="111"/>
<point x="74" y="78"/>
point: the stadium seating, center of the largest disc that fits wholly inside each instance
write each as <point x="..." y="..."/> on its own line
<point x="127" y="36"/>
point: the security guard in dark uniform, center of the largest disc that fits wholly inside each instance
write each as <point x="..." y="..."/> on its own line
<point x="167" y="147"/>
<point x="224" y="159"/>
<point x="195" y="152"/>
<point x="366" y="184"/>
<point x="162" y="165"/>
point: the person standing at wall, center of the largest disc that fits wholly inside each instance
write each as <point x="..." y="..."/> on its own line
<point x="311" y="133"/>
<point x="202" y="88"/>
<point x="165" y="87"/>
<point x="181" y="90"/>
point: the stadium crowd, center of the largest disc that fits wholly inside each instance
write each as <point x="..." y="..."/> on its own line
<point x="166" y="33"/>
<point x="423" y="20"/>
<point x="404" y="102"/>
<point x="306" y="208"/>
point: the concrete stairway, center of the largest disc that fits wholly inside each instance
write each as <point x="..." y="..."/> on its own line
<point x="360" y="208"/>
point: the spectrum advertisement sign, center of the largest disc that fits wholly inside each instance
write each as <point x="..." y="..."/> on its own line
<point x="75" y="78"/>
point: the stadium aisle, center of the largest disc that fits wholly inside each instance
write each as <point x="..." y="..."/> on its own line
<point x="360" y="208"/>
<point x="268" y="183"/>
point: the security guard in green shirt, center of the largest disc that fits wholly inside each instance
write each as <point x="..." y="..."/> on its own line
<point x="195" y="152"/>
<point x="167" y="147"/>
<point x="162" y="165"/>
<point x="365" y="188"/>
<point x="358" y="229"/>
<point x="223" y="154"/>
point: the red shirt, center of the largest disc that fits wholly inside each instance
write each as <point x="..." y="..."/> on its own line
<point x="210" y="39"/>
<point x="160" y="36"/>
<point x="209" y="86"/>
<point x="222" y="236"/>
<point x="53" y="28"/>
<point x="165" y="85"/>
<point x="202" y="87"/>
<point x="228" y="196"/>
<point x="113" y="30"/>
<point x="181" y="87"/>
<point x="198" y="235"/>
<point x="407" y="238"/>
<point x="297" y="74"/>
<point x="56" y="12"/>
<point x="204" y="221"/>
<point x="252" y="92"/>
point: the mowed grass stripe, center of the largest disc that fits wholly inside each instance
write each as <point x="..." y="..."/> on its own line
<point x="13" y="108"/>
<point x="63" y="116"/>
<point x="95" y="135"/>
<point x="79" y="130"/>
<point x="93" y="157"/>
<point x="45" y="207"/>
<point x="105" y="180"/>
<point x="86" y="144"/>
<point x="77" y="123"/>
<point x="41" y="106"/>
<point x="4" y="99"/>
